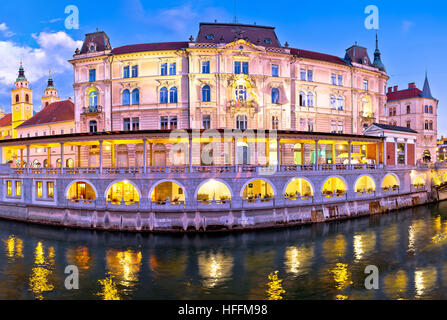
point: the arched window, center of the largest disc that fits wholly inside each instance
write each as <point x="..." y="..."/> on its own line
<point x="17" y="98"/>
<point x="26" y="98"/>
<point x="426" y="125"/>
<point x="93" y="98"/>
<point x="163" y="95"/>
<point x="258" y="189"/>
<point x="302" y="99"/>
<point x="126" y="97"/>
<point x="136" y="96"/>
<point x="340" y="103"/>
<point x="69" y="163"/>
<point x="333" y="106"/>
<point x="275" y="95"/>
<point x="206" y="93"/>
<point x="167" y="191"/>
<point x="430" y="109"/>
<point x="93" y="126"/>
<point x="173" y="95"/>
<point x="241" y="122"/>
<point x="213" y="190"/>
<point x="310" y="99"/>
<point x="408" y="109"/>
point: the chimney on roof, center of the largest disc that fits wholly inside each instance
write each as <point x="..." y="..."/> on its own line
<point x="411" y="85"/>
<point x="390" y="89"/>
<point x="395" y="88"/>
<point x="69" y="98"/>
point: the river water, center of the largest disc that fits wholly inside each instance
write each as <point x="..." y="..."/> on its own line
<point x="321" y="261"/>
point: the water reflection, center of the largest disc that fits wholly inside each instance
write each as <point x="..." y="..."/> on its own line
<point x="323" y="261"/>
<point x="39" y="280"/>
<point x="275" y="289"/>
<point x="214" y="268"/>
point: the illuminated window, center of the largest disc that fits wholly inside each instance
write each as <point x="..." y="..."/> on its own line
<point x="213" y="190"/>
<point x="81" y="191"/>
<point x="18" y="188"/>
<point x="334" y="185"/>
<point x="167" y="191"/>
<point x="93" y="98"/>
<point x="9" y="188"/>
<point x="365" y="184"/>
<point x="298" y="188"/>
<point x="123" y="192"/>
<point x="258" y="189"/>
<point x="50" y="189"/>
<point x="39" y="189"/>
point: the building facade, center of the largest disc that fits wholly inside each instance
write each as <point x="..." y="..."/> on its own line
<point x="418" y="110"/>
<point x="231" y="76"/>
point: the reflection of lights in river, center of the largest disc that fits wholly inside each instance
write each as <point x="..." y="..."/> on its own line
<point x="424" y="279"/>
<point x="297" y="258"/>
<point x="363" y="243"/>
<point x="109" y="290"/>
<point x="14" y="247"/>
<point x="411" y="238"/>
<point x="334" y="247"/>
<point x="38" y="281"/>
<point x="342" y="276"/>
<point x="214" y="268"/>
<point x="394" y="285"/>
<point x="275" y="287"/>
<point x="80" y="257"/>
<point x="124" y="265"/>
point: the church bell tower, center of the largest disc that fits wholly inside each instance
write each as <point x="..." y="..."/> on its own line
<point x="22" y="101"/>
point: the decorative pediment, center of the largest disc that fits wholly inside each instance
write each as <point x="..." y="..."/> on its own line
<point x="276" y="84"/>
<point x="206" y="81"/>
<point x="166" y="83"/>
<point x="129" y="85"/>
<point x="241" y="45"/>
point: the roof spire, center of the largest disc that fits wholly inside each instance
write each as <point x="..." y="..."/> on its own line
<point x="21" y="76"/>
<point x="377" y="59"/>
<point x="50" y="81"/>
<point x="426" y="92"/>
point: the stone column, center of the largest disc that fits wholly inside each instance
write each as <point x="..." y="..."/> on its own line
<point x="151" y="161"/>
<point x="21" y="158"/>
<point x="62" y="157"/>
<point x="190" y="152"/>
<point x="27" y="157"/>
<point x="100" y="156"/>
<point x="316" y="154"/>
<point x="144" y="156"/>
<point x="278" y="153"/>
<point x="385" y="157"/>
<point x="349" y="154"/>
<point x="234" y="152"/>
<point x="48" y="157"/>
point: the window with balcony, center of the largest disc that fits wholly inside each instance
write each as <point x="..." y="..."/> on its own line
<point x="126" y="124"/>
<point x="275" y="95"/>
<point x="164" y="69"/>
<point x="205" y="67"/>
<point x="126" y="72"/>
<point x="206" y="93"/>
<point x="206" y="121"/>
<point x="164" y="123"/>
<point x="92" y="75"/>
<point x="173" y="95"/>
<point x="93" y="126"/>
<point x="164" y="95"/>
<point x="241" y="122"/>
<point x="310" y="99"/>
<point x="172" y="69"/>
<point x="275" y="70"/>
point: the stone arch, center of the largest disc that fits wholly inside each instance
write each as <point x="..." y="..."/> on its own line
<point x="291" y="180"/>
<point x="159" y="182"/>
<point x="364" y="182"/>
<point x="87" y="182"/>
<point x="345" y="184"/>
<point x="389" y="178"/>
<point x="109" y="187"/>
<point x="220" y="181"/>
<point x="272" y="186"/>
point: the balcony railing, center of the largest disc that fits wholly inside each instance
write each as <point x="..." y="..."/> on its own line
<point x="260" y="169"/>
<point x="91" y="109"/>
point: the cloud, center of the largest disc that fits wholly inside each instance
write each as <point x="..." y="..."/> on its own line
<point x="5" y="30"/>
<point x="52" y="52"/>
<point x="52" y="20"/>
<point x="407" y="25"/>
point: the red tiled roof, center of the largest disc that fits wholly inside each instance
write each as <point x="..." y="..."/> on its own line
<point x="150" y="47"/>
<point x="229" y="32"/>
<point x="317" y="56"/>
<point x="6" y="120"/>
<point x="404" y="94"/>
<point x="56" y="112"/>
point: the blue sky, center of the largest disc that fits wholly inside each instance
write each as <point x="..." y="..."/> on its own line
<point x="412" y="34"/>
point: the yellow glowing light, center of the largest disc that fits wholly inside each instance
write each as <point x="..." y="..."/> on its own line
<point x="38" y="281"/>
<point x="215" y="268"/>
<point x="109" y="290"/>
<point x="342" y="276"/>
<point x="275" y="289"/>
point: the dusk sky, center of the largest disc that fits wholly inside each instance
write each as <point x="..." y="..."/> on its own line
<point x="412" y="35"/>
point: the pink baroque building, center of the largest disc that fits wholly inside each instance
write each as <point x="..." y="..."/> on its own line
<point x="230" y="76"/>
<point x="416" y="109"/>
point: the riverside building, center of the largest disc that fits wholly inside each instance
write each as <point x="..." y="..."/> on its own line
<point x="230" y="129"/>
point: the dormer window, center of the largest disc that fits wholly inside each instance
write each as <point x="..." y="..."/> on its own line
<point x="210" y="36"/>
<point x="268" y="40"/>
<point x="92" y="47"/>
